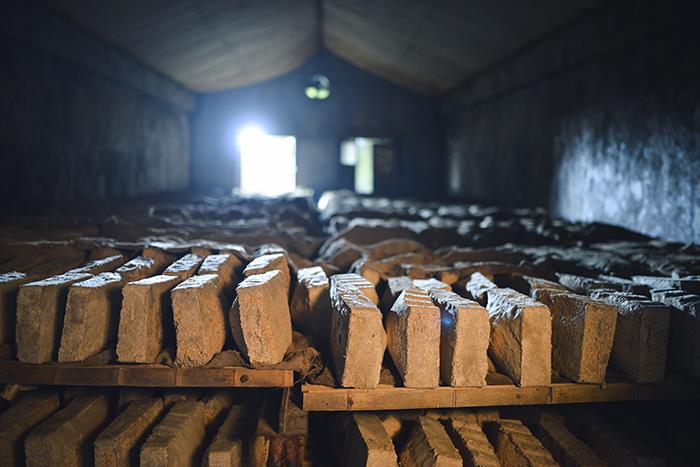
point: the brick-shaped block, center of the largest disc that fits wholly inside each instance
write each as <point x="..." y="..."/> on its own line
<point x="177" y="438"/>
<point x="18" y="420"/>
<point x="97" y="266"/>
<point x="684" y="333"/>
<point x="473" y="446"/>
<point x="478" y="286"/>
<point x="119" y="443"/>
<point x="138" y="268"/>
<point x="358" y="339"/>
<point x="226" y="449"/>
<point x="429" y="285"/>
<point x="66" y="437"/>
<point x="413" y="338"/>
<point x="184" y="267"/>
<point x="360" y="283"/>
<point x="198" y="313"/>
<point x="566" y="448"/>
<point x="429" y="445"/>
<point x="226" y="267"/>
<point x="267" y="263"/>
<point x="259" y="317"/>
<point x="367" y="442"/>
<point x="641" y="336"/>
<point x="582" y="336"/>
<point x="9" y="287"/>
<point x="40" y="311"/>
<point x="311" y="304"/>
<point x="516" y="445"/>
<point x="521" y="337"/>
<point x="92" y="317"/>
<point x="689" y="283"/>
<point x="145" y="318"/>
<point x="464" y="339"/>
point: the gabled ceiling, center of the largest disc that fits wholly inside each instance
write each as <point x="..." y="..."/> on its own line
<point x="428" y="46"/>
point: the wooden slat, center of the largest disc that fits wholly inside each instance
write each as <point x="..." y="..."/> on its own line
<point x="142" y="376"/>
<point x="568" y="393"/>
<point x="323" y="398"/>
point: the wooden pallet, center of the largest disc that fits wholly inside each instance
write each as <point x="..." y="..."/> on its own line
<point x="385" y="397"/>
<point x="142" y="376"/>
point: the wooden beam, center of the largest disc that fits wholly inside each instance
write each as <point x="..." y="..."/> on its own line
<point x="143" y="376"/>
<point x="384" y="397"/>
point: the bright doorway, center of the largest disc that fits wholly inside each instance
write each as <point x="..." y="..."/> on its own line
<point x="370" y="157"/>
<point x="268" y="162"/>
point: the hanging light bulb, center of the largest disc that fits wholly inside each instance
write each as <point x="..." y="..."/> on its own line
<point x="318" y="87"/>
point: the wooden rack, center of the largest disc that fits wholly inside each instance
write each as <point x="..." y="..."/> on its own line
<point x="385" y="397"/>
<point x="142" y="376"/>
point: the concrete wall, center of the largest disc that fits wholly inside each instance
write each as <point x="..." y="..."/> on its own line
<point x="360" y="104"/>
<point x="80" y="121"/>
<point x="599" y="121"/>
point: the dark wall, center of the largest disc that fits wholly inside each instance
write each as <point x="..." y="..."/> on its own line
<point x="600" y="121"/>
<point x="81" y="122"/>
<point x="360" y="104"/>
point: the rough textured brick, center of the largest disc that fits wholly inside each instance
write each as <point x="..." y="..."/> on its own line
<point x="184" y="267"/>
<point x="66" y="437"/>
<point x="360" y="283"/>
<point x="472" y="444"/>
<point x="413" y="338"/>
<point x="429" y="445"/>
<point x="582" y="336"/>
<point x="9" y="286"/>
<point x="428" y="285"/>
<point x="260" y="319"/>
<point x="92" y="317"/>
<point x="367" y="443"/>
<point x="641" y="336"/>
<point x="311" y="305"/>
<point x="177" y="438"/>
<point x="97" y="266"/>
<point x="144" y="318"/>
<point x="138" y="268"/>
<point x="566" y="448"/>
<point x="684" y="333"/>
<point x="516" y="445"/>
<point x="478" y="286"/>
<point x="226" y="267"/>
<point x="521" y="336"/>
<point x="18" y="420"/>
<point x="226" y="449"/>
<point x="270" y="262"/>
<point x="198" y="314"/>
<point x="40" y="312"/>
<point x="689" y="283"/>
<point x="358" y="339"/>
<point x="119" y="443"/>
<point x="464" y="339"/>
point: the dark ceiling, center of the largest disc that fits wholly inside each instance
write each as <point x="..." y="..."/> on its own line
<point x="428" y="46"/>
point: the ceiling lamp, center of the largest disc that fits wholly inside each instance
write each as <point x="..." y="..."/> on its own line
<point x="318" y="88"/>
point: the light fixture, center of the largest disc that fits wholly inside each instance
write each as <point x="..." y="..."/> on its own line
<point x="318" y="88"/>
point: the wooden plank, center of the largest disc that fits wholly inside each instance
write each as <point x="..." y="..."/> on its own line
<point x="85" y="376"/>
<point x="392" y="398"/>
<point x="501" y="395"/>
<point x="29" y="375"/>
<point x="568" y="393"/>
<point x="147" y="376"/>
<point x="142" y="376"/>
<point x="324" y="398"/>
